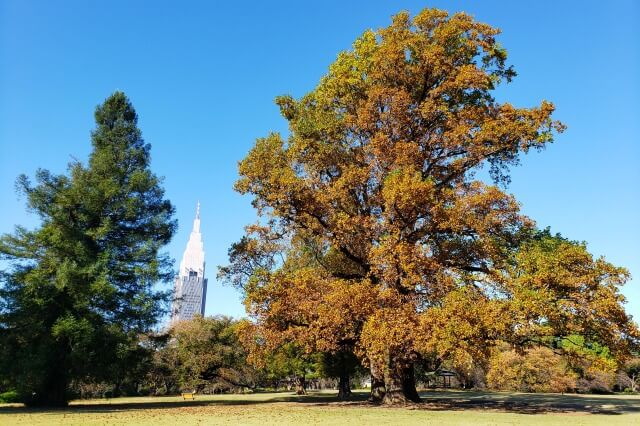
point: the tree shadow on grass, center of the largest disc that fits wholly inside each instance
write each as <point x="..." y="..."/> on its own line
<point x="115" y="405"/>
<point x="432" y="400"/>
<point x="527" y="403"/>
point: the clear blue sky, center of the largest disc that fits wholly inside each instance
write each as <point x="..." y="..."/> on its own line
<point x="203" y="75"/>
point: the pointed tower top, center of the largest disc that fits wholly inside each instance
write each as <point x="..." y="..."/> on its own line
<point x="196" y="221"/>
<point x="193" y="258"/>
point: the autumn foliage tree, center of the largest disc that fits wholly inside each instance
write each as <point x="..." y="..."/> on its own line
<point x="207" y="355"/>
<point x="376" y="235"/>
<point x="630" y="376"/>
<point x="537" y="370"/>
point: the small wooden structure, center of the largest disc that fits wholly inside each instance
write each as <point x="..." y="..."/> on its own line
<point x="188" y="395"/>
<point x="439" y="378"/>
<point x="446" y="376"/>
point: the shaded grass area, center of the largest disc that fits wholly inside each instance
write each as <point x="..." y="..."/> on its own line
<point x="439" y="407"/>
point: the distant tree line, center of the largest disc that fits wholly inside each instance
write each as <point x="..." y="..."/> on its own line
<point x="206" y="356"/>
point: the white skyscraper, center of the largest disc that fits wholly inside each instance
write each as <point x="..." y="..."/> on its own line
<point x="190" y="291"/>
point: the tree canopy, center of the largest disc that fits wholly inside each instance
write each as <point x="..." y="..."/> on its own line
<point x="81" y="285"/>
<point x="208" y="353"/>
<point x="376" y="234"/>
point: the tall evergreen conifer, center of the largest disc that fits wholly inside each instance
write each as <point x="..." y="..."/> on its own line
<point x="80" y="287"/>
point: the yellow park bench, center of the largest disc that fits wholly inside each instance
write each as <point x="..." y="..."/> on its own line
<point x="188" y="395"/>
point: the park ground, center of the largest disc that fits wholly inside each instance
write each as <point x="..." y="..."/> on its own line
<point x="439" y="407"/>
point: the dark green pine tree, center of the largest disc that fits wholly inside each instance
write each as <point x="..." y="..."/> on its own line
<point x="79" y="289"/>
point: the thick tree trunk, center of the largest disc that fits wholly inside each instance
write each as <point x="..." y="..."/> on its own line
<point x="116" y="392"/>
<point x="344" y="386"/>
<point x="409" y="384"/>
<point x="377" y="385"/>
<point x="394" y="392"/>
<point x="54" y="393"/>
<point x="300" y="385"/>
<point x="400" y="383"/>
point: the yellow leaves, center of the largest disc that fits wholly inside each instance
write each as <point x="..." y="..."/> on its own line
<point x="349" y="74"/>
<point x="266" y="172"/>
<point x="557" y="288"/>
<point x="389" y="331"/>
<point x="406" y="194"/>
<point x="364" y="48"/>
<point x="413" y="254"/>
<point x="352" y="180"/>
<point x="464" y="326"/>
<point x="538" y="370"/>
<point x="429" y="19"/>
<point x="343" y="307"/>
<point x="406" y="266"/>
<point x="471" y="77"/>
<point x="312" y="309"/>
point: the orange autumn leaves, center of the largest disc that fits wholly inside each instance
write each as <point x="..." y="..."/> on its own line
<point x="386" y="242"/>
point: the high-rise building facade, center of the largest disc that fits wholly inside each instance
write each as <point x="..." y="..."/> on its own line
<point x="190" y="290"/>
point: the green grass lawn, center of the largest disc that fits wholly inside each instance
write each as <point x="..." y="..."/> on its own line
<point x="440" y="407"/>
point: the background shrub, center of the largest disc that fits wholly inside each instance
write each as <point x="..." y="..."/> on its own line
<point x="9" y="397"/>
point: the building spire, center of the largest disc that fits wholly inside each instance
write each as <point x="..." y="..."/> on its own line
<point x="196" y="221"/>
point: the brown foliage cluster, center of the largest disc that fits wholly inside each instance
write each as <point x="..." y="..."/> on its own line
<point x="537" y="370"/>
